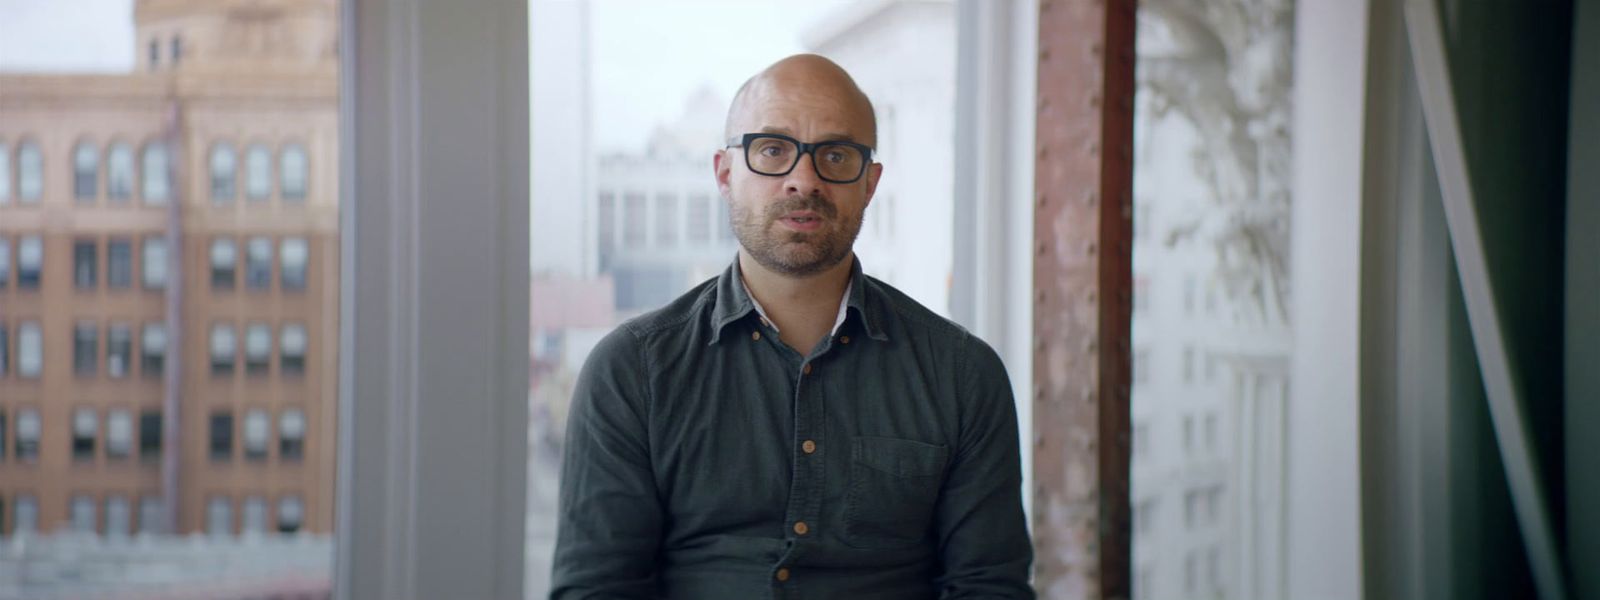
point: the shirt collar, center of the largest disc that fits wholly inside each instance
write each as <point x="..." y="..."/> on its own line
<point x="733" y="302"/>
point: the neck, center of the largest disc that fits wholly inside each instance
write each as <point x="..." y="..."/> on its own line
<point x="803" y="308"/>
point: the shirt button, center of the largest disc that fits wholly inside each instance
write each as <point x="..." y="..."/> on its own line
<point x="809" y="446"/>
<point x="800" y="528"/>
<point x="783" y="574"/>
<point x="755" y="335"/>
<point x="844" y="339"/>
<point x="807" y="369"/>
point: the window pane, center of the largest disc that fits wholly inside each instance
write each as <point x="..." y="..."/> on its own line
<point x="258" y="263"/>
<point x="5" y="173"/>
<point x="119" y="350"/>
<point x="119" y="521"/>
<point x="82" y="514"/>
<point x="29" y="428"/>
<point x="224" y="258"/>
<point x="26" y="519"/>
<point x="153" y="349"/>
<point x="291" y="434"/>
<point x="30" y="350"/>
<point x="150" y="435"/>
<point x="155" y="263"/>
<point x="292" y="257"/>
<point x="258" y="172"/>
<point x="223" y="347"/>
<point x="30" y="261"/>
<point x="219" y="516"/>
<point x="85" y="172"/>
<point x="157" y="178"/>
<point x="152" y="516"/>
<point x="293" y="349"/>
<point x="257" y="348"/>
<point x="119" y="433"/>
<point x="85" y="349"/>
<point x="222" y="436"/>
<point x="255" y="515"/>
<point x="85" y="430"/>
<point x="119" y="171"/>
<point x="290" y="514"/>
<point x="5" y="262"/>
<point x="5" y="360"/>
<point x="119" y="263"/>
<point x="85" y="259"/>
<point x="30" y="173"/>
<point x="294" y="167"/>
<point x="224" y="164"/>
<point x="256" y="434"/>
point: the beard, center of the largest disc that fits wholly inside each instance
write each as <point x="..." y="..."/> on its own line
<point x="795" y="253"/>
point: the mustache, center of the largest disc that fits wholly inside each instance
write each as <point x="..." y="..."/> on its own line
<point x="815" y="204"/>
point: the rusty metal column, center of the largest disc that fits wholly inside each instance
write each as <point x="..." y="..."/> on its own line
<point x="1082" y="274"/>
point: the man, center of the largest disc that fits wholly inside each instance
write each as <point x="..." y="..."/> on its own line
<point x="793" y="428"/>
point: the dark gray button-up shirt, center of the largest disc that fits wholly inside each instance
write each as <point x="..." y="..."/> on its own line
<point x="706" y="459"/>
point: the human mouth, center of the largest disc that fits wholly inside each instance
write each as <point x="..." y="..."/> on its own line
<point x="802" y="220"/>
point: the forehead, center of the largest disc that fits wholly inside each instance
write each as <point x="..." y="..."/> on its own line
<point x="808" y="112"/>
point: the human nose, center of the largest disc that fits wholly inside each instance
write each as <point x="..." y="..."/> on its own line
<point x="803" y="180"/>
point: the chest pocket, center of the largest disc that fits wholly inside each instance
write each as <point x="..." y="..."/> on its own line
<point x="894" y="486"/>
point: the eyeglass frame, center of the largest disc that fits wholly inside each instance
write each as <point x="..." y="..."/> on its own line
<point x="805" y="148"/>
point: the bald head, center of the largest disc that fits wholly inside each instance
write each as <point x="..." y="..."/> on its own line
<point x="805" y="82"/>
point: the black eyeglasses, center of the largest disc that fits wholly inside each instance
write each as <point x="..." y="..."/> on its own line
<point x="776" y="155"/>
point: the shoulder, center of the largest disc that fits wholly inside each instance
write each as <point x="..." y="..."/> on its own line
<point x="901" y="312"/>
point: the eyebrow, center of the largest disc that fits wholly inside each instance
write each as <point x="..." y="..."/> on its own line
<point x="827" y="137"/>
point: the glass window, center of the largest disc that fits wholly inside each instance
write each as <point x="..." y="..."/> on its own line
<point x="223" y="347"/>
<point x="5" y="360"/>
<point x="85" y="348"/>
<point x="153" y="54"/>
<point x="667" y="224"/>
<point x="153" y="349"/>
<point x="119" y="518"/>
<point x="30" y="261"/>
<point x="30" y="349"/>
<point x="256" y="434"/>
<point x="119" y="433"/>
<point x="5" y="173"/>
<point x="82" y="513"/>
<point x="85" y="428"/>
<point x="119" y="172"/>
<point x="85" y="172"/>
<point x="28" y="430"/>
<point x="292" y="256"/>
<point x="4" y="437"/>
<point x="152" y="516"/>
<point x="291" y="513"/>
<point x="607" y="222"/>
<point x="26" y="517"/>
<point x="150" y="435"/>
<point x="30" y="173"/>
<point x="699" y="219"/>
<point x="85" y="259"/>
<point x="257" y="348"/>
<point x="295" y="167"/>
<point x="633" y="219"/>
<point x="219" y="516"/>
<point x="222" y="436"/>
<point x="119" y="263"/>
<point x="224" y="165"/>
<point x="255" y="515"/>
<point x="155" y="263"/>
<point x="292" y="349"/>
<point x="157" y="176"/>
<point x="119" y="350"/>
<point x="258" y="263"/>
<point x="291" y="434"/>
<point x="224" y="258"/>
<point x="257" y="172"/>
<point x="5" y="262"/>
<point x="177" y="49"/>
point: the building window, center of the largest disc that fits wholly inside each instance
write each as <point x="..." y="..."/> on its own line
<point x="292" y="350"/>
<point x="224" y="257"/>
<point x="3" y="439"/>
<point x="255" y="515"/>
<point x="258" y="263"/>
<point x="1211" y="431"/>
<point x="25" y="517"/>
<point x="155" y="263"/>
<point x="5" y="359"/>
<point x="295" y="166"/>
<point x="607" y="222"/>
<point x="30" y="349"/>
<point x="154" y="54"/>
<point x="5" y="261"/>
<point x="85" y="349"/>
<point x="222" y="436"/>
<point x="119" y="172"/>
<point x="119" y="350"/>
<point x="257" y="349"/>
<point x="85" y="428"/>
<point x="85" y="259"/>
<point x="177" y="49"/>
<point x="118" y="517"/>
<point x="223" y="347"/>
<point x="256" y="434"/>
<point x="152" y="516"/>
<point x="85" y="172"/>
<point x="633" y="219"/>
<point x="291" y="434"/>
<point x="667" y="222"/>
<point x="1188" y="365"/>
<point x="119" y="263"/>
<point x="291" y="513"/>
<point x="699" y="219"/>
<point x="5" y="173"/>
<point x="219" y="516"/>
<point x="150" y="435"/>
<point x="28" y="430"/>
<point x="30" y="173"/>
<point x="224" y="166"/>
<point x="30" y="261"/>
<point x="157" y="181"/>
<point x="153" y="349"/>
<point x="119" y="433"/>
<point x="292" y="255"/>
<point x="257" y="172"/>
<point x="82" y="513"/>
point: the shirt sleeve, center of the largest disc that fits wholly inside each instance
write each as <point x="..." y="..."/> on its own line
<point x="610" y="516"/>
<point x="983" y="536"/>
